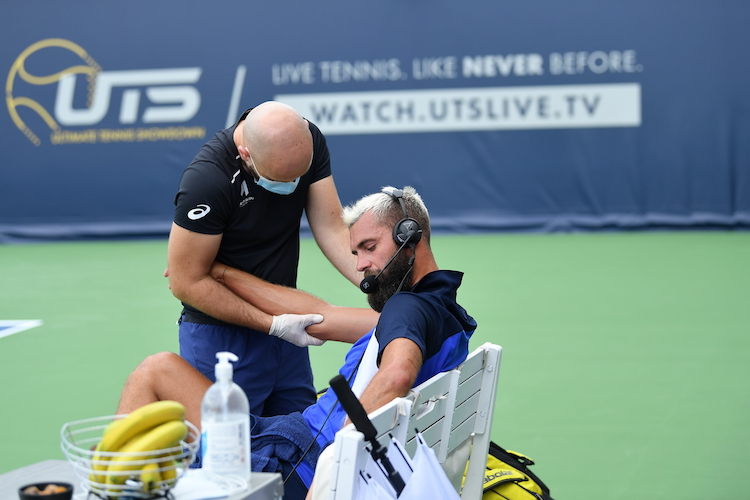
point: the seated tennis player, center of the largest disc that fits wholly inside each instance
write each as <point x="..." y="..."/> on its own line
<point x="420" y="331"/>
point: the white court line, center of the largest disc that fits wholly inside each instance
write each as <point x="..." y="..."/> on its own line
<point x="11" y="326"/>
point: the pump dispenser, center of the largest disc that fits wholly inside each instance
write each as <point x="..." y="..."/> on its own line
<point x="225" y="423"/>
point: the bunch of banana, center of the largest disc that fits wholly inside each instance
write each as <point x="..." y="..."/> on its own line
<point x="153" y="427"/>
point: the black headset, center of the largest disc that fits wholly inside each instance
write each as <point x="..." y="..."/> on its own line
<point x="407" y="231"/>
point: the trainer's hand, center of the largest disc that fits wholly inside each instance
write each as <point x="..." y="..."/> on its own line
<point x="291" y="327"/>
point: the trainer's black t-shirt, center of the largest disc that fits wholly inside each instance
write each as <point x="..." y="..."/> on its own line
<point x="260" y="229"/>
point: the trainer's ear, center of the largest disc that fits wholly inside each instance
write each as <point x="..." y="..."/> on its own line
<point x="244" y="152"/>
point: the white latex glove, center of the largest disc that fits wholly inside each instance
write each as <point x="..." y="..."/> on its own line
<point x="291" y="327"/>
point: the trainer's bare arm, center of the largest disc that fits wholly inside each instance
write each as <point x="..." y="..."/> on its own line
<point x="189" y="259"/>
<point x="344" y="324"/>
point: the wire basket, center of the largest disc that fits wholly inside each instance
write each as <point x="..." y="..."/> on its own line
<point x="79" y="440"/>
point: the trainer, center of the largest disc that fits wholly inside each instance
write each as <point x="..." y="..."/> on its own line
<point x="240" y="202"/>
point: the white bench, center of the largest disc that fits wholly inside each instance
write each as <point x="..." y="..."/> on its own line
<point x="453" y="411"/>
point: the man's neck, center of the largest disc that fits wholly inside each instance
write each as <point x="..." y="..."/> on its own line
<point x="424" y="264"/>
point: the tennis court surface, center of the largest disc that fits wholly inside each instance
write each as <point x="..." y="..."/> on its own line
<point x="626" y="356"/>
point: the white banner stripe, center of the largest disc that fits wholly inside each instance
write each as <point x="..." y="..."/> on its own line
<point x="462" y="109"/>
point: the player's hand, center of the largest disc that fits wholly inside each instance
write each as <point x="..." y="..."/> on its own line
<point x="291" y="327"/>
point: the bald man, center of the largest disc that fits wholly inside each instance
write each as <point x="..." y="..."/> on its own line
<point x="239" y="203"/>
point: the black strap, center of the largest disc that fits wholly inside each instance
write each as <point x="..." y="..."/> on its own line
<point x="519" y="463"/>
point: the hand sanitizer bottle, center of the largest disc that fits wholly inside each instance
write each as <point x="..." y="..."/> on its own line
<point x="225" y="424"/>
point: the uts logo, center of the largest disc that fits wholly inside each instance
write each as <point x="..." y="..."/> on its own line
<point x="199" y="212"/>
<point x="84" y="96"/>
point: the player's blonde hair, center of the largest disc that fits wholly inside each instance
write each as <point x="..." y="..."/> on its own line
<point x="387" y="209"/>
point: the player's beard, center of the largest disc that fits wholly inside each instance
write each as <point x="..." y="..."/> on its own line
<point x="389" y="281"/>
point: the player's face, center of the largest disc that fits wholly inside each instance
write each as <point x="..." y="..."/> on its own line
<point x="374" y="246"/>
<point x="371" y="243"/>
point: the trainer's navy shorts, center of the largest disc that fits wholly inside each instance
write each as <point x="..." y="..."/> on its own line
<point x="275" y="374"/>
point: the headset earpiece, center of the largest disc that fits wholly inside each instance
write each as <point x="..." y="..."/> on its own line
<point x="407" y="231"/>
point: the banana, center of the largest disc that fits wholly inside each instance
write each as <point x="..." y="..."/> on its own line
<point x="168" y="471"/>
<point x="98" y="458"/>
<point x="97" y="465"/>
<point x="140" y="420"/>
<point x="163" y="436"/>
<point x="151" y="477"/>
<point x="118" y="432"/>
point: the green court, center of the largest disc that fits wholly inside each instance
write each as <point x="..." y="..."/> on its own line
<point x="625" y="370"/>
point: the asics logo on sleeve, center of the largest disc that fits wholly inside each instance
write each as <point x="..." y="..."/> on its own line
<point x="199" y="212"/>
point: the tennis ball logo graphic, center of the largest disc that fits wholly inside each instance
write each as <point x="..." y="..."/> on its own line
<point x="19" y="73"/>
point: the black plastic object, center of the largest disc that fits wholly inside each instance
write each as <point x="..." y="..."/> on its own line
<point x="64" y="495"/>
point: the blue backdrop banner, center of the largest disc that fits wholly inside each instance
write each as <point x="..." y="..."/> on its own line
<point x="522" y="116"/>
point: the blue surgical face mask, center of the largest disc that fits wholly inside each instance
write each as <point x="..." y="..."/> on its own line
<point x="277" y="187"/>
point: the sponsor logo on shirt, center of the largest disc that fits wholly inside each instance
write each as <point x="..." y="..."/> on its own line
<point x="244" y="191"/>
<point x="199" y="212"/>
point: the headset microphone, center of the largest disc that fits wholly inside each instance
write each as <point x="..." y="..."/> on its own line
<point x="369" y="284"/>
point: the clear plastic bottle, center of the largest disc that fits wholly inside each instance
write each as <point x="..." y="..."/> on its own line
<point x="225" y="424"/>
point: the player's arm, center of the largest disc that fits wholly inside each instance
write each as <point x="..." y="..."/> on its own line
<point x="399" y="366"/>
<point x="331" y="234"/>
<point x="398" y="370"/>
<point x="189" y="259"/>
<point x="345" y="324"/>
